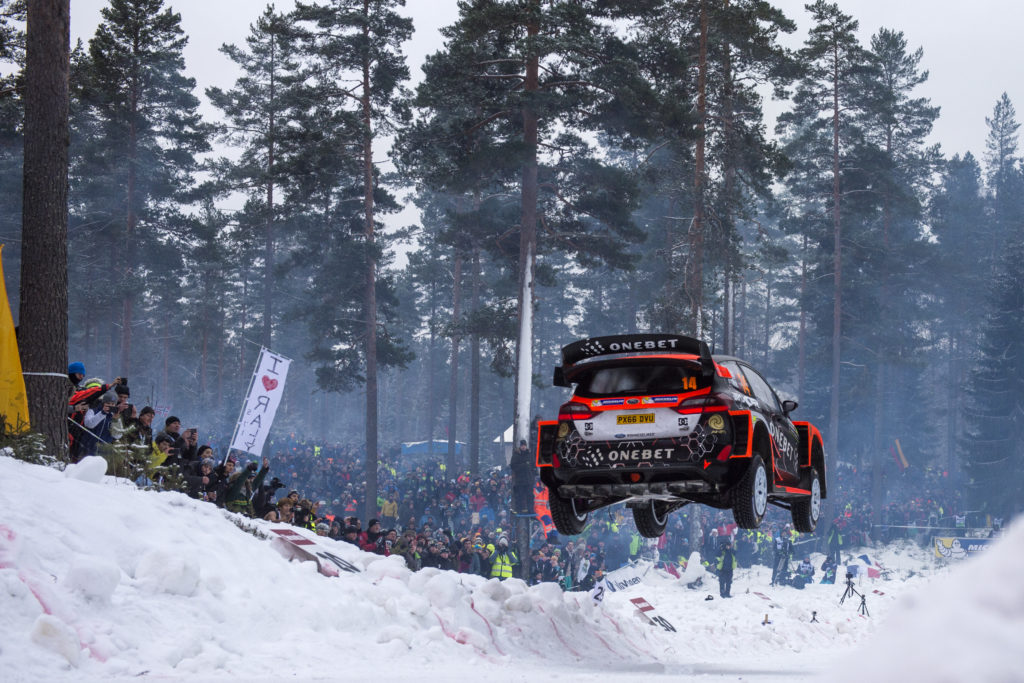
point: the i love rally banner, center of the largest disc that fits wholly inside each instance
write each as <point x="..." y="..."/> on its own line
<point x="261" y="404"/>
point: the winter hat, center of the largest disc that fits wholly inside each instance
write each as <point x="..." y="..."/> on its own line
<point x="77" y="367"/>
<point x="148" y="410"/>
<point x="163" y="438"/>
<point x="372" y="522"/>
<point x="169" y="420"/>
<point x="208" y="461"/>
<point x="122" y="390"/>
<point x="109" y="397"/>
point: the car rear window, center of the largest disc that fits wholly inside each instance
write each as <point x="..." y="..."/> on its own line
<point x="640" y="379"/>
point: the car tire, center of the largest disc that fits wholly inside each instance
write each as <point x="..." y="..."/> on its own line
<point x="806" y="511"/>
<point x="651" y="519"/>
<point x="567" y="520"/>
<point x="750" y="496"/>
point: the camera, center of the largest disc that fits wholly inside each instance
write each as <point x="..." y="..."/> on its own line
<point x="849" y="576"/>
<point x="252" y="467"/>
<point x="275" y="484"/>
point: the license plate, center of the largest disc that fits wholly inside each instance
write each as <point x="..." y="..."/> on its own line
<point x="641" y="419"/>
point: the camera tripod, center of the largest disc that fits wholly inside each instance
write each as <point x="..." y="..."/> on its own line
<point x="850" y="592"/>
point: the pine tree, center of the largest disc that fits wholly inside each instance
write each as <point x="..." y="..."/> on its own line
<point x="994" y="410"/>
<point x="959" y="275"/>
<point x="1003" y="174"/>
<point x="357" y="65"/>
<point x="260" y="119"/>
<point x="822" y="131"/>
<point x="732" y="49"/>
<point x="136" y="167"/>
<point x="12" y="61"/>
<point x="43" y="320"/>
<point x="901" y="168"/>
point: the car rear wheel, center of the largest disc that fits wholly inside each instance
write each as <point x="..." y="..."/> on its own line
<point x="651" y="518"/>
<point x="807" y="510"/>
<point x="564" y="514"/>
<point x="750" y="496"/>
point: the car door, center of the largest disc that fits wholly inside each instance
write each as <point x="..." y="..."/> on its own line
<point x="783" y="432"/>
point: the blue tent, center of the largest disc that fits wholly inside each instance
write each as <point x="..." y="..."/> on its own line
<point x="424" y="447"/>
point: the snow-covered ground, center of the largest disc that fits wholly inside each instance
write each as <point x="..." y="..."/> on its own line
<point x="99" y="580"/>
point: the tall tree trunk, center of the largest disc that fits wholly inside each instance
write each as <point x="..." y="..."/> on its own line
<point x="202" y="363"/>
<point x="741" y="335"/>
<point x="728" y="188"/>
<point x="767" y="317"/>
<point x="527" y="256"/>
<point x="878" y="449"/>
<point x="428" y="400"/>
<point x="837" y="305"/>
<point x="695" y="260"/>
<point x="801" y="362"/>
<point x="268" y="247"/>
<point x="131" y="223"/>
<point x="453" y="377"/>
<point x="474" y="387"/>
<point x="371" y="283"/>
<point x="43" y="309"/>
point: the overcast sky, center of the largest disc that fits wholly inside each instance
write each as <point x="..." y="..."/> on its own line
<point x="972" y="50"/>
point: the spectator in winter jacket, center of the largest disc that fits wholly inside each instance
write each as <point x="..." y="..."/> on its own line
<point x="484" y="561"/>
<point x="804" y="573"/>
<point x="138" y="431"/>
<point x="200" y="478"/>
<point x="157" y="456"/>
<point x="224" y="472"/>
<point x="369" y="540"/>
<point x="726" y="565"/>
<point x="172" y="427"/>
<point x="76" y="373"/>
<point x="97" y="423"/>
<point x="282" y="513"/>
<point x="389" y="511"/>
<point x="242" y="485"/>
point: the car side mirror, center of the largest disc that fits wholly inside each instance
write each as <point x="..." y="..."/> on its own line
<point x="559" y="378"/>
<point x="789" y="406"/>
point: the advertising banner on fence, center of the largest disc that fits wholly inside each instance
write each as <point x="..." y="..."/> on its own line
<point x="261" y="404"/>
<point x="630" y="575"/>
<point x="958" y="548"/>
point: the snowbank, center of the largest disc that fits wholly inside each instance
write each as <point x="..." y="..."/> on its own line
<point x="100" y="580"/>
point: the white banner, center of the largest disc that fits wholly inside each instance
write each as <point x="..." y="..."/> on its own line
<point x="261" y="403"/>
<point x="624" y="577"/>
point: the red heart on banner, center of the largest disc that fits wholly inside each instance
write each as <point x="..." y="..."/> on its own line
<point x="269" y="384"/>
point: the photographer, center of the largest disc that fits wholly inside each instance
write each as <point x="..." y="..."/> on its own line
<point x="97" y="423"/>
<point x="201" y="479"/>
<point x="303" y="513"/>
<point x="804" y="573"/>
<point x="241" y="485"/>
<point x="263" y="502"/>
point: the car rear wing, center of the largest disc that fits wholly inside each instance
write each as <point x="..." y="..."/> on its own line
<point x="631" y="343"/>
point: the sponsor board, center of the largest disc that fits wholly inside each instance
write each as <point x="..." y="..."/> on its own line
<point x="647" y="609"/>
<point x="958" y="548"/>
<point x="625" y="577"/>
<point x="295" y="546"/>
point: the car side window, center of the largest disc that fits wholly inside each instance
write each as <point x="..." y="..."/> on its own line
<point x="737" y="381"/>
<point x="762" y="390"/>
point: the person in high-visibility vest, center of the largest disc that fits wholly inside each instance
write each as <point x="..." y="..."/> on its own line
<point x="503" y="560"/>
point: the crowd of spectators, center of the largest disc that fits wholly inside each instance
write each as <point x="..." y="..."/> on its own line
<point x="461" y="521"/>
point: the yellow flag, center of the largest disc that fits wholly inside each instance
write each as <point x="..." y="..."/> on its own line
<point x="13" y="400"/>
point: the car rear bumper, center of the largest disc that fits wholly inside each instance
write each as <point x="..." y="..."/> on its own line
<point x="675" y="488"/>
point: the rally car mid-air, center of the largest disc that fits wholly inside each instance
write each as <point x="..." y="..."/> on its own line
<point x="656" y="422"/>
